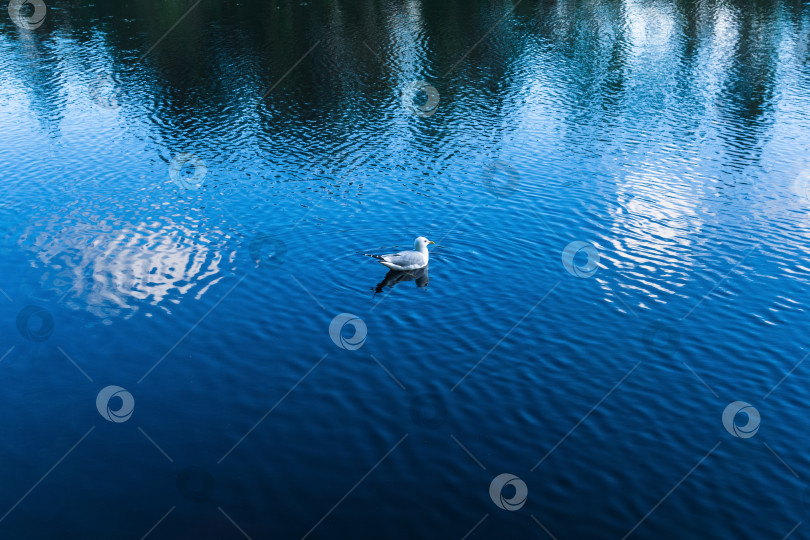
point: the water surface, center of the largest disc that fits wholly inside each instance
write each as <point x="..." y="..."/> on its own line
<point x="187" y="194"/>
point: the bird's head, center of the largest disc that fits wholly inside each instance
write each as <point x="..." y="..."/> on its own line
<point x="421" y="243"/>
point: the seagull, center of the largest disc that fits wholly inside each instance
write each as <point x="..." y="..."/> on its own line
<point x="408" y="260"/>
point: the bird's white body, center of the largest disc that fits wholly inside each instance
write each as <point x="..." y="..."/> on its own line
<point x="408" y="260"/>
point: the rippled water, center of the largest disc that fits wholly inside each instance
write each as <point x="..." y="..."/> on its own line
<point x="618" y="192"/>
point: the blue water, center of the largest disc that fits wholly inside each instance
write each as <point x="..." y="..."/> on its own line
<point x="618" y="192"/>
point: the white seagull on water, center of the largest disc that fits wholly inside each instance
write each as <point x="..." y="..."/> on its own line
<point x="408" y="260"/>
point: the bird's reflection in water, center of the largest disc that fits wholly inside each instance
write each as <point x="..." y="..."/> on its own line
<point x="398" y="276"/>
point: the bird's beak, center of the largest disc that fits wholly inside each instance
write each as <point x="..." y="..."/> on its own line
<point x="431" y="242"/>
